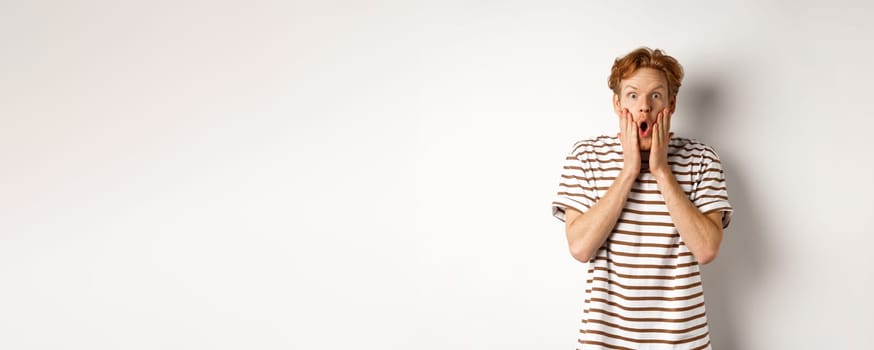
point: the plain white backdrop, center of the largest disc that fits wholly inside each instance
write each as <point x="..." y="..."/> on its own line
<point x="378" y="174"/>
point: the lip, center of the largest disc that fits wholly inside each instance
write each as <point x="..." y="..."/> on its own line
<point x="648" y="131"/>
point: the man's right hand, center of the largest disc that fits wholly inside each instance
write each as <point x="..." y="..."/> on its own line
<point x="587" y="232"/>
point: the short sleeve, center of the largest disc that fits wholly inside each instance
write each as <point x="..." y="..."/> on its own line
<point x="710" y="193"/>
<point x="575" y="187"/>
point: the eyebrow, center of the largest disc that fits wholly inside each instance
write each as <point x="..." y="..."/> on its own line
<point x="660" y="86"/>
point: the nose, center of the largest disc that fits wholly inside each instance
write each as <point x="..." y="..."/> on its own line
<point x="645" y="106"/>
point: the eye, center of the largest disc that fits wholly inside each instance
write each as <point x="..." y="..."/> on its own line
<point x="632" y="95"/>
<point x="656" y="95"/>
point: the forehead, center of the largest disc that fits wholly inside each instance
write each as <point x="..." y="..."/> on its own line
<point x="645" y="78"/>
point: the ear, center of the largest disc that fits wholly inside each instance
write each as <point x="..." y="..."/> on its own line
<point x="673" y="104"/>
<point x="617" y="107"/>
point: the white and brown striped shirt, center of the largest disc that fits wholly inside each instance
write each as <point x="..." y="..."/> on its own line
<point x="643" y="287"/>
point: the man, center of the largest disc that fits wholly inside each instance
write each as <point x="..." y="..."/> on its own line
<point x="643" y="210"/>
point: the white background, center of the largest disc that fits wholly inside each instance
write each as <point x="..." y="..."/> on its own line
<point x="378" y="175"/>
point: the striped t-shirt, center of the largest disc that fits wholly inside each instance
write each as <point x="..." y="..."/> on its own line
<point x="643" y="287"/>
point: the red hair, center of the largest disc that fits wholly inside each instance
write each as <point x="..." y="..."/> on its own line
<point x="645" y="57"/>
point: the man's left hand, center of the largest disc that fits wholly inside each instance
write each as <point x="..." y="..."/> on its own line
<point x="658" y="156"/>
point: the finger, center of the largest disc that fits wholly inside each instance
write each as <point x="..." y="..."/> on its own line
<point x="661" y="128"/>
<point x="663" y="125"/>
<point x="626" y="130"/>
<point x="654" y="146"/>
<point x="621" y="125"/>
<point x="623" y="122"/>
<point x="629" y="126"/>
<point x="668" y="117"/>
<point x="663" y="131"/>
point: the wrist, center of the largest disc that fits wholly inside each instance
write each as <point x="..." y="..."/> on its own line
<point x="627" y="174"/>
<point x="663" y="175"/>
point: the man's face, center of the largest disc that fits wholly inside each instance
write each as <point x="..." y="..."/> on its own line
<point x="644" y="94"/>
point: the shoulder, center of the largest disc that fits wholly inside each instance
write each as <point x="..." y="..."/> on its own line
<point x="598" y="145"/>
<point x="687" y="148"/>
<point x="691" y="147"/>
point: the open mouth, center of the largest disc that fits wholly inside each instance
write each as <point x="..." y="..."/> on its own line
<point x="644" y="129"/>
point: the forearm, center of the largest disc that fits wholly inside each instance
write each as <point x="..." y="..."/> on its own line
<point x="586" y="233"/>
<point x="700" y="234"/>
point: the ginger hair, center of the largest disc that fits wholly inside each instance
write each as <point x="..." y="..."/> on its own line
<point x="644" y="57"/>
